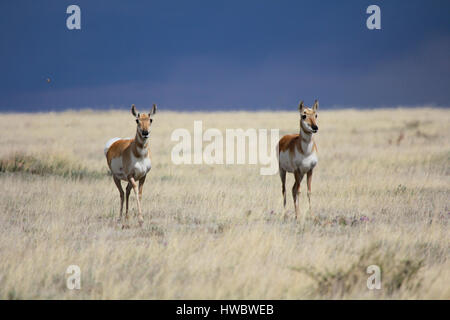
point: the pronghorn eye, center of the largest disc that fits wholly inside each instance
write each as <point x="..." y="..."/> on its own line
<point x="137" y="121"/>
<point x="151" y="120"/>
<point x="303" y="116"/>
<point x="316" y="116"/>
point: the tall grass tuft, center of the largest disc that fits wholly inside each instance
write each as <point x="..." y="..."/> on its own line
<point x="45" y="165"/>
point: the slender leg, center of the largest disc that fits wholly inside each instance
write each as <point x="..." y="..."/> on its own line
<point x="296" y="191"/>
<point x="135" y="189"/>
<point x="119" y="186"/>
<point x="127" y="197"/>
<point x="283" y="185"/>
<point x="141" y="187"/>
<point x="308" y="181"/>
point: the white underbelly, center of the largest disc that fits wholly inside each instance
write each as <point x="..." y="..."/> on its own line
<point x="117" y="168"/>
<point x="142" y="167"/>
<point x="285" y="161"/>
<point x="298" y="161"/>
<point x="306" y="163"/>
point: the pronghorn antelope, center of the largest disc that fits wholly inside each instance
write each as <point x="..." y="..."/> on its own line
<point x="297" y="153"/>
<point x="130" y="160"/>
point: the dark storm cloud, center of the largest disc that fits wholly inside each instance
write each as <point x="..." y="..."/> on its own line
<point x="223" y="55"/>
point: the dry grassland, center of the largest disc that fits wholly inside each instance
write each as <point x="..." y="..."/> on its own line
<point x="380" y="197"/>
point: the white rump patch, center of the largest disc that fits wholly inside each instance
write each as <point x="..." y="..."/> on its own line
<point x="109" y="143"/>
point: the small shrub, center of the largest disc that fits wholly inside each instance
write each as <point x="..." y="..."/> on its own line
<point x="395" y="274"/>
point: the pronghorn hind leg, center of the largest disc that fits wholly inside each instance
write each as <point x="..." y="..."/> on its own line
<point x="141" y="187"/>
<point x="127" y="198"/>
<point x="283" y="185"/>
<point x="119" y="187"/>
<point x="308" y="181"/>
<point x="296" y="191"/>
<point x="294" y="196"/>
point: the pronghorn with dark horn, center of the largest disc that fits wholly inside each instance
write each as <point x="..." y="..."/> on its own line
<point x="297" y="153"/>
<point x="130" y="160"/>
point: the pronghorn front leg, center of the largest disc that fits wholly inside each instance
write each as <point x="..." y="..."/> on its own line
<point x="308" y="181"/>
<point x="135" y="189"/>
<point x="141" y="187"/>
<point x="296" y="191"/>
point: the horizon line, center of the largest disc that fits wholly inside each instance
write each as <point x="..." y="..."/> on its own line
<point x="224" y="109"/>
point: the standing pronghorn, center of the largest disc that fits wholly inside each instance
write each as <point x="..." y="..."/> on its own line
<point x="297" y="153"/>
<point x="130" y="160"/>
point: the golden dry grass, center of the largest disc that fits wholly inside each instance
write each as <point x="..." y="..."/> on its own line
<point x="220" y="232"/>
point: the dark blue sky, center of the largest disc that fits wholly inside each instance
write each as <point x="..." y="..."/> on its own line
<point x="223" y="54"/>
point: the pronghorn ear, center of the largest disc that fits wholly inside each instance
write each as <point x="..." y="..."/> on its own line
<point x="316" y="105"/>
<point x="133" y="111"/>
<point x="153" y="110"/>
<point x="301" y="106"/>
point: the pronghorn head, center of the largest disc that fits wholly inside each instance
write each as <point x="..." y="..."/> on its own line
<point x="308" y="117"/>
<point x="143" y="120"/>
